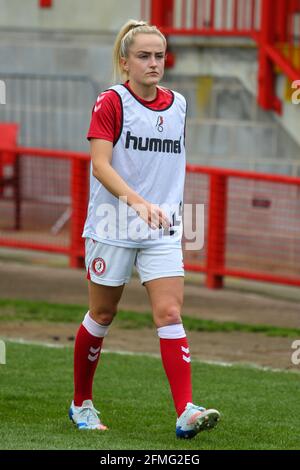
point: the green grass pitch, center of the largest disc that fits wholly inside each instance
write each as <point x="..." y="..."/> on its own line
<point x="260" y="409"/>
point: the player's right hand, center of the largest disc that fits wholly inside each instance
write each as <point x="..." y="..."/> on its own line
<point x="152" y="214"/>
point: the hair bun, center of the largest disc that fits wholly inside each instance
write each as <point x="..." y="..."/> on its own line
<point x="141" y="23"/>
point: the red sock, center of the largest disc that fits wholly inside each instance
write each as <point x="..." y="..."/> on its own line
<point x="86" y="357"/>
<point x="176" y="361"/>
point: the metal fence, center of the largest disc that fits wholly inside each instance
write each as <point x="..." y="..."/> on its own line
<point x="46" y="207"/>
<point x="54" y="110"/>
<point x="252" y="225"/>
<point x="252" y="220"/>
<point x="273" y="24"/>
<point x="209" y="17"/>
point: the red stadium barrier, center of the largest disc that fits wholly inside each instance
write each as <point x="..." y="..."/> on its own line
<point x="53" y="200"/>
<point x="208" y="18"/>
<point x="45" y="3"/>
<point x="274" y="25"/>
<point x="9" y="165"/>
<point x="252" y="225"/>
<point x="252" y="221"/>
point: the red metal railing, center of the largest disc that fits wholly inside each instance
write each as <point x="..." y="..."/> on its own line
<point x="208" y="17"/>
<point x="45" y="3"/>
<point x="273" y="24"/>
<point x="47" y="189"/>
<point x="279" y="47"/>
<point x="252" y="225"/>
<point x="252" y="221"/>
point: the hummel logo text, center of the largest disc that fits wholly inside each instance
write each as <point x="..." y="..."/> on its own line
<point x="152" y="144"/>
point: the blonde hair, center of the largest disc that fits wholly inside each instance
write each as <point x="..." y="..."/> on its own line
<point x="125" y="39"/>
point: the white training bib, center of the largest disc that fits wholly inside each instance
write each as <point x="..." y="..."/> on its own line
<point x="150" y="156"/>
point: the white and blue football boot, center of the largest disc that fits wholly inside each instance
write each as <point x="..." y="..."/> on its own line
<point x="195" y="419"/>
<point x="86" y="416"/>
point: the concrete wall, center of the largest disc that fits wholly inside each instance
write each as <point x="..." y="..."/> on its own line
<point x="232" y="130"/>
<point x="235" y="62"/>
<point x="56" y="54"/>
<point x="81" y="15"/>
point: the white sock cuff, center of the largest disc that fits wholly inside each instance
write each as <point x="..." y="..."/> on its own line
<point x="93" y="327"/>
<point x="171" y="331"/>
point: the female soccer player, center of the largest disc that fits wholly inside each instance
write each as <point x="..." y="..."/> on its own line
<point x="137" y="135"/>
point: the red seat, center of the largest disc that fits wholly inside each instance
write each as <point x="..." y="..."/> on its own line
<point x="9" y="167"/>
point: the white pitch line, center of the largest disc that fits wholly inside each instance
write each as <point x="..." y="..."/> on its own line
<point x="249" y="365"/>
<point x="35" y="343"/>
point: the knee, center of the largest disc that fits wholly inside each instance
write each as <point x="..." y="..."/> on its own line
<point x="167" y="315"/>
<point x="103" y="316"/>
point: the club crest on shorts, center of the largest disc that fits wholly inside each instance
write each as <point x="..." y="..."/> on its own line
<point x="98" y="266"/>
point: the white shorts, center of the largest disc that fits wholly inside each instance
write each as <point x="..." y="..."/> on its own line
<point x="112" y="265"/>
